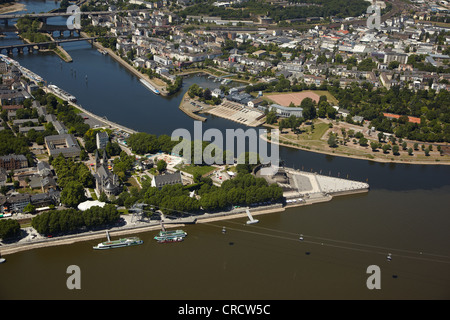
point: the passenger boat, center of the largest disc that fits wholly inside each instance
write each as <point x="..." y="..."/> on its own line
<point x="62" y="93"/>
<point x="168" y="239"/>
<point x="149" y="86"/>
<point x="124" y="242"/>
<point x="170" y="235"/>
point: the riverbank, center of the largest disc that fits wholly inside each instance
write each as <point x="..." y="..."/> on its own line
<point x="27" y="243"/>
<point x="321" y="189"/>
<point x="162" y="89"/>
<point x="11" y="7"/>
<point x="111" y="124"/>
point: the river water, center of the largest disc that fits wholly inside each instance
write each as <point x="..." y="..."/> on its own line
<point x="405" y="213"/>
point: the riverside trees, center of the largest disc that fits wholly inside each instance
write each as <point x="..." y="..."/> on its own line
<point x="9" y="228"/>
<point x="244" y="189"/>
<point x="69" y="220"/>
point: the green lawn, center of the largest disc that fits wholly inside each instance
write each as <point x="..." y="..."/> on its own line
<point x="196" y="169"/>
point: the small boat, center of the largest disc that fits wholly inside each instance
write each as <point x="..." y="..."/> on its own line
<point x="2" y="259"/>
<point x="301" y="237"/>
<point x="224" y="230"/>
<point x="389" y="257"/>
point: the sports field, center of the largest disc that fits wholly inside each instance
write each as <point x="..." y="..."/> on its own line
<point x="285" y="99"/>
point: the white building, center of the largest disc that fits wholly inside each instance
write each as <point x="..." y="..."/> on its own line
<point x="102" y="139"/>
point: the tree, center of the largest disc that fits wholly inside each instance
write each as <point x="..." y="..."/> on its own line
<point x="29" y="208"/>
<point x="309" y="109"/>
<point x="410" y="151"/>
<point x="332" y="141"/>
<point x="374" y="145"/>
<point x="161" y="165"/>
<point x="395" y="149"/>
<point x="363" y="142"/>
<point x="103" y="197"/>
<point x="386" y="148"/>
<point x="207" y="94"/>
<point x="404" y="145"/>
<point x="9" y="228"/>
<point x="73" y="194"/>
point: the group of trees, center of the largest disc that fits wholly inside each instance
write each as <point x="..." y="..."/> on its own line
<point x="68" y="170"/>
<point x="73" y="177"/>
<point x="90" y="143"/>
<point x="433" y="109"/>
<point x="9" y="228"/>
<point x="244" y="189"/>
<point x="11" y="144"/>
<point x="29" y="29"/>
<point x="279" y="13"/>
<point x="143" y="143"/>
<point x="203" y="94"/>
<point x="63" y="112"/>
<point x="69" y="220"/>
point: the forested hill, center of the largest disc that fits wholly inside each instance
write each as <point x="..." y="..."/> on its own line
<point x="253" y="8"/>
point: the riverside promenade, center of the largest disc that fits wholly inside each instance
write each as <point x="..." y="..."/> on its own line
<point x="109" y="123"/>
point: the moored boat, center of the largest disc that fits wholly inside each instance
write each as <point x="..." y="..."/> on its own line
<point x="62" y="93"/>
<point x="124" y="242"/>
<point x="170" y="235"/>
<point x="168" y="239"/>
<point x="149" y="86"/>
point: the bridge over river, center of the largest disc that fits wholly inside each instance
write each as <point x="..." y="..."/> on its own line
<point x="41" y="45"/>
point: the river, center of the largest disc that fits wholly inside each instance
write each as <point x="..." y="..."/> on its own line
<point x="405" y="213"/>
